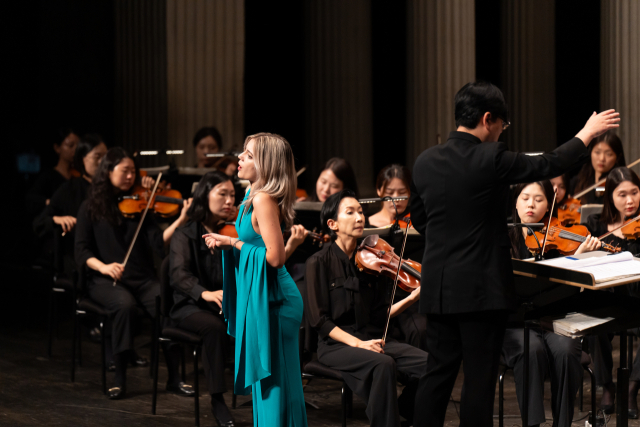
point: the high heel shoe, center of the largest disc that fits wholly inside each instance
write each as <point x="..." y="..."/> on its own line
<point x="117" y="392"/>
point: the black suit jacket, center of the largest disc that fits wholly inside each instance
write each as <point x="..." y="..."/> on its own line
<point x="459" y="198"/>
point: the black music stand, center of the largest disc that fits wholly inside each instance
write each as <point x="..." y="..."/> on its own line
<point x="533" y="281"/>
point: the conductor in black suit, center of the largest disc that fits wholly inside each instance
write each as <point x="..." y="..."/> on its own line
<point x="459" y="202"/>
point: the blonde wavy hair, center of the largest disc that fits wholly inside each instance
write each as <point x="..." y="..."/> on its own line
<point x="275" y="167"/>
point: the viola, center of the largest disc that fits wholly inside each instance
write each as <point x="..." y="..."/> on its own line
<point x="631" y="231"/>
<point x="569" y="211"/>
<point x="565" y="240"/>
<point x="403" y="222"/>
<point x="166" y="203"/>
<point x="376" y="256"/>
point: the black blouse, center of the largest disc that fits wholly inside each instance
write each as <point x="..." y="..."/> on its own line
<point x="65" y="201"/>
<point x="338" y="295"/>
<point x="109" y="243"/>
<point x="194" y="269"/>
<point x="43" y="188"/>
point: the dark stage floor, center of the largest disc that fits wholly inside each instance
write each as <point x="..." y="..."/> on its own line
<point x="35" y="390"/>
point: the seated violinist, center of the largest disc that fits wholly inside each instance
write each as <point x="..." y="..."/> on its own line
<point x="337" y="175"/>
<point x="103" y="236"/>
<point x="196" y="277"/>
<point x="349" y="310"/>
<point x="394" y="181"/>
<point x="550" y="355"/>
<point x="621" y="203"/>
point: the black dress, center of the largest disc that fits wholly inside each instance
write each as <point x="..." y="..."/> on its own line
<point x="338" y="295"/>
<point x="139" y="285"/>
<point x="550" y="356"/>
<point x="194" y="269"/>
<point x="600" y="345"/>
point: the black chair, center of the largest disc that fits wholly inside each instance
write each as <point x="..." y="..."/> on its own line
<point x="173" y="334"/>
<point x="61" y="285"/>
<point x="585" y="361"/>
<point x="84" y="305"/>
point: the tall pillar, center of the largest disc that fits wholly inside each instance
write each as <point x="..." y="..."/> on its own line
<point x="620" y="69"/>
<point x="205" y="68"/>
<point x="339" y="86"/>
<point x="441" y="59"/>
<point x="528" y="73"/>
<point x="141" y="75"/>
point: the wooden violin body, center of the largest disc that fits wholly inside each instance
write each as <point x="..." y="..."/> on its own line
<point x="166" y="203"/>
<point x="569" y="212"/>
<point x="631" y="231"/>
<point x="376" y="256"/>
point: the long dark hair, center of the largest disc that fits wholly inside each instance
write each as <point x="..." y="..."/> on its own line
<point x="586" y="177"/>
<point x="393" y="171"/>
<point x="103" y="200"/>
<point x="616" y="177"/>
<point x="342" y="169"/>
<point x="199" y="209"/>
<point x="208" y="131"/>
<point x="515" y="234"/>
<point x="87" y="143"/>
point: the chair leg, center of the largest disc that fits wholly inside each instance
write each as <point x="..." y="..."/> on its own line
<point x="79" y="338"/>
<point x="349" y="402"/>
<point x="103" y="348"/>
<point x="501" y="398"/>
<point x="196" y="384"/>
<point x="234" y="398"/>
<point x="154" y="363"/>
<point x="183" y="361"/>
<point x="73" y="347"/>
<point x="630" y="352"/>
<point x="344" y="404"/>
<point x="50" y="325"/>
<point x="154" y="343"/>
<point x="592" y="419"/>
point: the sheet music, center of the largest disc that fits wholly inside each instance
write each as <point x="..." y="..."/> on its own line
<point x="619" y="270"/>
<point x="574" y="263"/>
<point x="574" y="324"/>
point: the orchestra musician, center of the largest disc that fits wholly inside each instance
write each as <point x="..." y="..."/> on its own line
<point x="103" y="236"/>
<point x="336" y="175"/>
<point x="550" y="355"/>
<point x="348" y="311"/>
<point x="196" y="278"/>
<point x="605" y="153"/>
<point x="621" y="202"/>
<point x="65" y="141"/>
<point x="395" y="181"/>
<point x="467" y="274"/>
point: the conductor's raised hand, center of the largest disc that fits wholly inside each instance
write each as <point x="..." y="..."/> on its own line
<point x="113" y="270"/>
<point x="599" y="124"/>
<point x="377" y="346"/>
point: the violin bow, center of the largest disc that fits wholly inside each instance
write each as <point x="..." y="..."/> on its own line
<point x="618" y="228"/>
<point x="395" y="282"/>
<point x="544" y="243"/>
<point x="602" y="181"/>
<point x="144" y="214"/>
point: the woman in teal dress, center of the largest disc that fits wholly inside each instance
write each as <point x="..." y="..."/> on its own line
<point x="261" y="302"/>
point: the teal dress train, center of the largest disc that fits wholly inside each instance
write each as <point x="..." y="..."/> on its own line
<point x="263" y="308"/>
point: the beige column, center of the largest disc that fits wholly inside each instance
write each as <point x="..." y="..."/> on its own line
<point x="528" y="73"/>
<point x="441" y="59"/>
<point x="141" y="76"/>
<point x="620" y="69"/>
<point x="339" y="86"/>
<point x="205" y="69"/>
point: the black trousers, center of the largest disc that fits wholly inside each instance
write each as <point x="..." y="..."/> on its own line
<point x="476" y="339"/>
<point x="123" y="301"/>
<point x="215" y="348"/>
<point x="413" y="327"/>
<point x="601" y="350"/>
<point x="372" y="376"/>
<point x="550" y="355"/>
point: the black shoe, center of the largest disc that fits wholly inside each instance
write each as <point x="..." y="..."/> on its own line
<point x="181" y="389"/>
<point x="633" y="403"/>
<point x="138" y="361"/>
<point x="111" y="367"/>
<point x="94" y="335"/>
<point x="116" y="393"/>
<point x="220" y="411"/>
<point x="610" y="408"/>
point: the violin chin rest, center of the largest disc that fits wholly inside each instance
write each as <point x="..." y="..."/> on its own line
<point x="370" y="241"/>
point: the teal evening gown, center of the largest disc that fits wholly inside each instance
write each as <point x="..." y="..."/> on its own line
<point x="263" y="308"/>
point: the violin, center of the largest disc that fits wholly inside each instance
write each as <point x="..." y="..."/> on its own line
<point x="166" y="203"/>
<point x="403" y="222"/>
<point x="569" y="211"/>
<point x="565" y="240"/>
<point x="631" y="230"/>
<point x="314" y="235"/>
<point x="375" y="256"/>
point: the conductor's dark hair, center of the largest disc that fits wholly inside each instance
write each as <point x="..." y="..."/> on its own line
<point x="616" y="177"/>
<point x="477" y="98"/>
<point x="330" y="210"/>
<point x="103" y="199"/>
<point x="87" y="143"/>
<point x="208" y="131"/>
<point x="587" y="175"/>
<point x="515" y="234"/>
<point x="342" y="169"/>
<point x="199" y="209"/>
